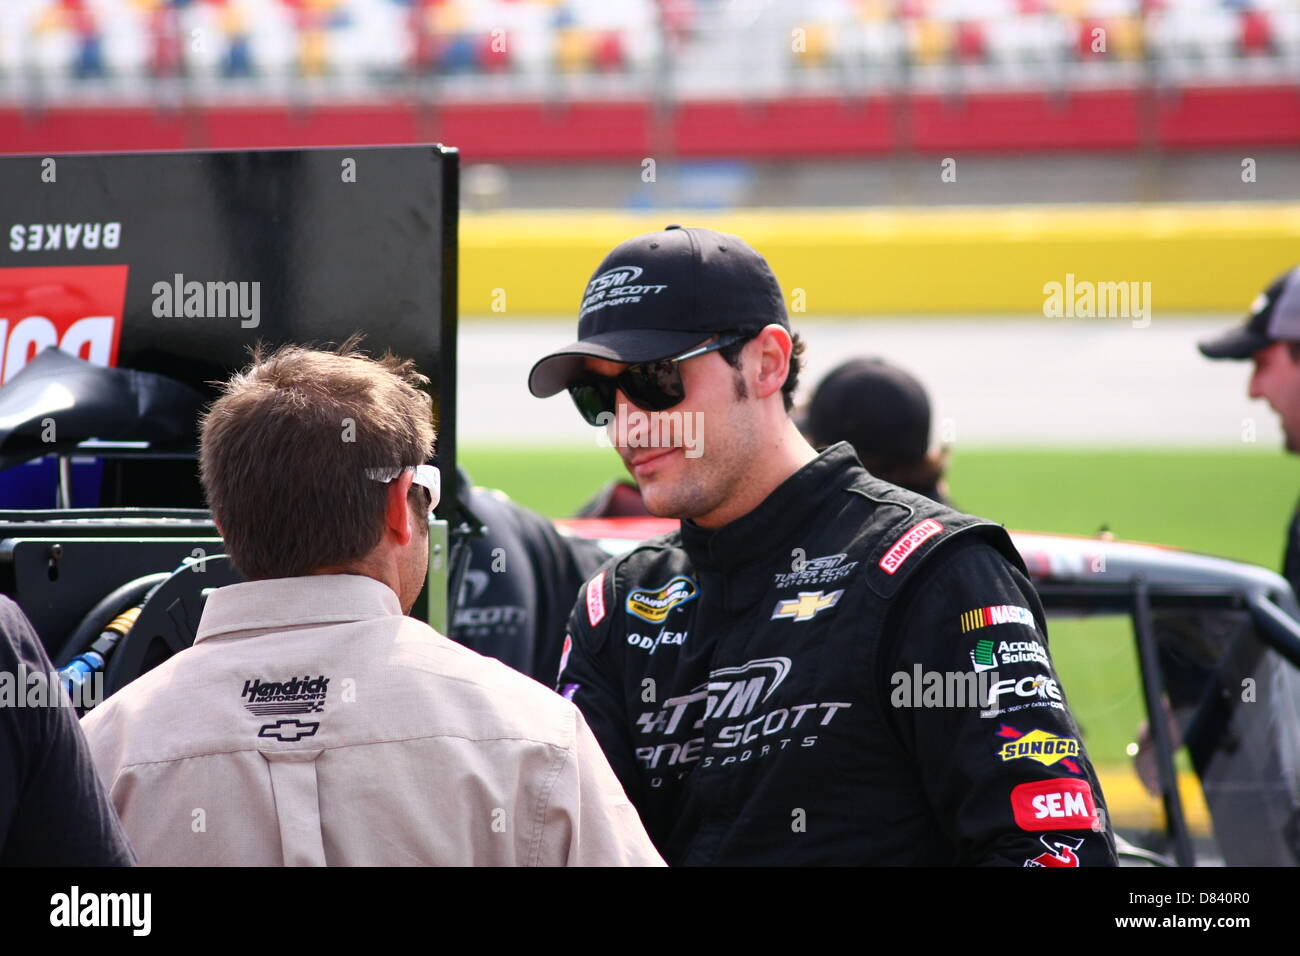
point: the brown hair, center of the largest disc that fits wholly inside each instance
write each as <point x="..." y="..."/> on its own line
<point x="731" y="355"/>
<point x="284" y="451"/>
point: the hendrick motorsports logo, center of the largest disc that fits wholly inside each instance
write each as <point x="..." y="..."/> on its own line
<point x="988" y="655"/>
<point x="298" y="695"/>
<point x="653" y="604"/>
<point x="1039" y="745"/>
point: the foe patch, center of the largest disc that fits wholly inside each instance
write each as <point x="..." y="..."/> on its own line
<point x="1057" y="804"/>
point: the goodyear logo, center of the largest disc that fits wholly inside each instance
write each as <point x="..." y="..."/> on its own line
<point x="1041" y="746"/>
<point x="653" y="604"/>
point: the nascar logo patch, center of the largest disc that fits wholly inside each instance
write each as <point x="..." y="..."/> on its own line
<point x="979" y="617"/>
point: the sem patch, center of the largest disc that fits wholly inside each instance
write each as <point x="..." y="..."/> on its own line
<point x="912" y="539"/>
<point x="1057" y="804"/>
<point x="596" y="599"/>
<point x="653" y="604"/>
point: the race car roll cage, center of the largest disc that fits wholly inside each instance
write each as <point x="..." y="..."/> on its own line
<point x="1083" y="576"/>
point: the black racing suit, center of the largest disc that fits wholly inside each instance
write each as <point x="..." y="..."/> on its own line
<point x="519" y="585"/>
<point x="851" y="673"/>
<point x="1291" y="558"/>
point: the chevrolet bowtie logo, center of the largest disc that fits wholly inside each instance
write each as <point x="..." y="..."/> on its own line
<point x="289" y="730"/>
<point x="806" y="605"/>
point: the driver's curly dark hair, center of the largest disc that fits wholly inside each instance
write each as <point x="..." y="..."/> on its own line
<point x="731" y="354"/>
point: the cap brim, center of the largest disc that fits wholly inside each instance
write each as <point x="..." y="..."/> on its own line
<point x="560" y="369"/>
<point x="1238" y="343"/>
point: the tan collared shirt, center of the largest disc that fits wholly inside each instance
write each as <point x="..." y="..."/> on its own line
<point x="313" y="723"/>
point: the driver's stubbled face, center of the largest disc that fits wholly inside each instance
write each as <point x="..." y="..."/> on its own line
<point x="1276" y="379"/>
<point x="688" y="459"/>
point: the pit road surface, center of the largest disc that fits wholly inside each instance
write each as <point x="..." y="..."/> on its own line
<point x="1014" y="382"/>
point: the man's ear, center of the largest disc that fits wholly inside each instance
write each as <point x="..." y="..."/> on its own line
<point x="774" y="347"/>
<point x="397" y="513"/>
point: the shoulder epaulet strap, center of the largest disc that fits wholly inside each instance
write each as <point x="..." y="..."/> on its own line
<point x="910" y="528"/>
<point x="601" y="589"/>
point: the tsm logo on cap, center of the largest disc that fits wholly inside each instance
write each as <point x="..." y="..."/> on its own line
<point x="612" y="277"/>
<point x="616" y="286"/>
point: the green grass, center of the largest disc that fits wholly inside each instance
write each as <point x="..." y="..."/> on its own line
<point x="1233" y="503"/>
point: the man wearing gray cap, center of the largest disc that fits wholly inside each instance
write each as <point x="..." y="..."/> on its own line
<point x="1270" y="336"/>
<point x="755" y="677"/>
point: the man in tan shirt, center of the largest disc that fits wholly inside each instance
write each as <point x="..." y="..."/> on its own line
<point x="312" y="722"/>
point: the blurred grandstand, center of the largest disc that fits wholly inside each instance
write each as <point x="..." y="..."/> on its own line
<point x="554" y="80"/>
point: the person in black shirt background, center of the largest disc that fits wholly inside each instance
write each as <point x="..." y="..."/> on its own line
<point x="519" y="587"/>
<point x="884" y="413"/>
<point x="53" y="808"/>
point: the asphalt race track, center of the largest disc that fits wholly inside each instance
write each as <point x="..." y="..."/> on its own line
<point x="1013" y="382"/>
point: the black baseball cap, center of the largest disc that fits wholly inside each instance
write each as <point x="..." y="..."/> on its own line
<point x="1274" y="317"/>
<point x="662" y="293"/>
<point x="878" y="408"/>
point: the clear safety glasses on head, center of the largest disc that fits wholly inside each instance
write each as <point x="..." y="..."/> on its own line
<point x="425" y="475"/>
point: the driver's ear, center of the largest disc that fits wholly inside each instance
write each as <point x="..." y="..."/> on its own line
<point x="397" y="513"/>
<point x="774" y="348"/>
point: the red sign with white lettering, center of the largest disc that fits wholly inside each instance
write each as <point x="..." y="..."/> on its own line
<point x="76" y="308"/>
<point x="1056" y="804"/>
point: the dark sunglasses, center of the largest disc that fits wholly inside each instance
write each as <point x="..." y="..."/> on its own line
<point x="652" y="386"/>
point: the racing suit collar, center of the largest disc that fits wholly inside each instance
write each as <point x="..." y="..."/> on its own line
<point x="751" y="538"/>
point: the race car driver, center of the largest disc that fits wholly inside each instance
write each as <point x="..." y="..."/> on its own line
<point x="1270" y="336"/>
<point x="819" y="666"/>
